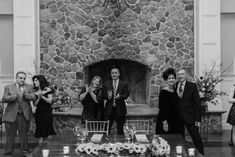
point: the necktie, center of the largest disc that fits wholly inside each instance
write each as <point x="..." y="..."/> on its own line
<point x="114" y="91"/>
<point x="20" y="98"/>
<point x="181" y="89"/>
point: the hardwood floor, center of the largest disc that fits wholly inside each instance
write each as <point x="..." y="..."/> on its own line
<point x="215" y="146"/>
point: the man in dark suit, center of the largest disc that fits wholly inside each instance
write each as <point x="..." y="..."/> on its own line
<point x="190" y="107"/>
<point x="116" y="91"/>
<point x="18" y="112"/>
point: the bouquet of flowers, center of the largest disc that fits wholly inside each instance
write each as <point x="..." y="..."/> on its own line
<point x="111" y="148"/>
<point x="61" y="100"/>
<point x="207" y="85"/>
<point x="160" y="147"/>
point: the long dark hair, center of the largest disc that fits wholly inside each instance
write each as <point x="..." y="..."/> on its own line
<point x="43" y="83"/>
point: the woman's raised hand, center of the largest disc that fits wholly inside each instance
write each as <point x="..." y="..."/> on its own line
<point x="87" y="88"/>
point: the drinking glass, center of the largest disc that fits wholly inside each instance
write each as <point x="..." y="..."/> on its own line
<point x="77" y="131"/>
<point x="110" y="94"/>
<point x="126" y="131"/>
<point x="83" y="134"/>
<point x="133" y="132"/>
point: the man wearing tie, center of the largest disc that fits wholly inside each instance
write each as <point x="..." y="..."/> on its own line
<point x="18" y="112"/>
<point x="115" y="92"/>
<point x="190" y="107"/>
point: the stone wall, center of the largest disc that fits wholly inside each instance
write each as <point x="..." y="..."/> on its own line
<point x="156" y="33"/>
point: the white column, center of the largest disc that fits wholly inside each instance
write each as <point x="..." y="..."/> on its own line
<point x="209" y="47"/>
<point x="26" y="36"/>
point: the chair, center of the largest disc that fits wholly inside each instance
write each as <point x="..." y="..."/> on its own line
<point x="142" y="126"/>
<point x="97" y="126"/>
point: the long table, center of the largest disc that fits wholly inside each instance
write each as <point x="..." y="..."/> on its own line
<point x="55" y="146"/>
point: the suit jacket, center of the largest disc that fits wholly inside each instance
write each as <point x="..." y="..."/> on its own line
<point x="190" y="103"/>
<point x="13" y="102"/>
<point x="123" y="91"/>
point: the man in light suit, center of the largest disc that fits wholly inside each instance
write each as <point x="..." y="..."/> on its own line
<point x="115" y="92"/>
<point x="190" y="107"/>
<point x="18" y="112"/>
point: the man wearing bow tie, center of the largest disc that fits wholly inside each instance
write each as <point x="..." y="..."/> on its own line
<point x="116" y="91"/>
<point x="18" y="112"/>
<point x="190" y="107"/>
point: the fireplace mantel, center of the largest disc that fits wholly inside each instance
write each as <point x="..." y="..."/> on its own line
<point x="64" y="122"/>
<point x="132" y="111"/>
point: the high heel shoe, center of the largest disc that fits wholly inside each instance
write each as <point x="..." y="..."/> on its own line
<point x="231" y="143"/>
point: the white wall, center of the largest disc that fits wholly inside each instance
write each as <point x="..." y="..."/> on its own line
<point x="6" y="45"/>
<point x="228" y="51"/>
<point x="228" y="39"/>
<point x="227" y="6"/>
<point x="6" y="6"/>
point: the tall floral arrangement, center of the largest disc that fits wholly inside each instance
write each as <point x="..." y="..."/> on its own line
<point x="207" y="84"/>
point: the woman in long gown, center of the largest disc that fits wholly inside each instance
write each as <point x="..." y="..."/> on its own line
<point x="91" y="98"/>
<point x="231" y="115"/>
<point x="169" y="119"/>
<point x="43" y="114"/>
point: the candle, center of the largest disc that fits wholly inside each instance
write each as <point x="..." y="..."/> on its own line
<point x="45" y="152"/>
<point x="66" y="149"/>
<point x="191" y="152"/>
<point x="179" y="150"/>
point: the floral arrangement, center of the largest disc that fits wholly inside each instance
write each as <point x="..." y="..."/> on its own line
<point x="111" y="148"/>
<point x="160" y="147"/>
<point x="61" y="100"/>
<point x="207" y="84"/>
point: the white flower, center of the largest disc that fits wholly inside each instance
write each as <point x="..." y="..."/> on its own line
<point x="88" y="149"/>
<point x="126" y="145"/>
<point x="111" y="148"/>
<point x="143" y="148"/>
<point x="160" y="147"/>
<point x="119" y="146"/>
<point x="81" y="147"/>
<point x="136" y="148"/>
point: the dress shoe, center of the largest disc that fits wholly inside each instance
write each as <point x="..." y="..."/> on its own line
<point x="8" y="154"/>
<point x="231" y="143"/>
<point x="25" y="153"/>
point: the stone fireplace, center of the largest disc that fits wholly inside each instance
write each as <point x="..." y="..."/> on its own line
<point x="135" y="73"/>
<point x="78" y="42"/>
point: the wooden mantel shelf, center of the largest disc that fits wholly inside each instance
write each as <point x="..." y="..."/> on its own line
<point x="131" y="111"/>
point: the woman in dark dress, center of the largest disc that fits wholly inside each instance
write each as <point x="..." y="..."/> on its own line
<point x="231" y="115"/>
<point x="43" y="114"/>
<point x="169" y="120"/>
<point x="91" y="98"/>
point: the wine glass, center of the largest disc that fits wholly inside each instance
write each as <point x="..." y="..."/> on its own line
<point x="127" y="133"/>
<point x="133" y="132"/>
<point x="110" y="93"/>
<point x="77" y="130"/>
<point x="83" y="134"/>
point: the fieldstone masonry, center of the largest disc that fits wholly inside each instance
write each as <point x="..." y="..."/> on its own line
<point x="156" y="33"/>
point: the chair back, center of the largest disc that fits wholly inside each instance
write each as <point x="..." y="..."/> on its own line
<point x="142" y="126"/>
<point x="97" y="126"/>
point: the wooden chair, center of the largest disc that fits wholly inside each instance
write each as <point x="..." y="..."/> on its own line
<point x="97" y="126"/>
<point x="142" y="126"/>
